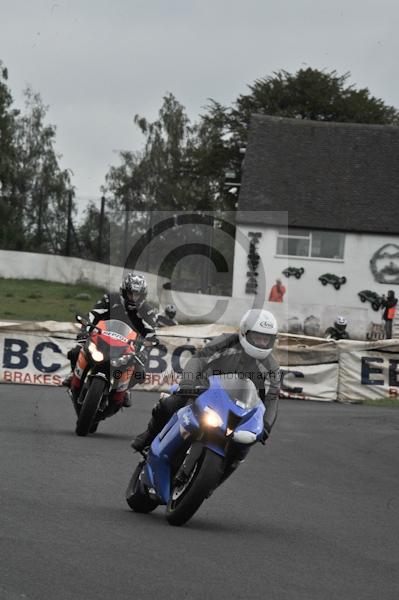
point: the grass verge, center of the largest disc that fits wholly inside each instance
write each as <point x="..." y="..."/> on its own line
<point x="38" y="300"/>
<point x="379" y="402"/>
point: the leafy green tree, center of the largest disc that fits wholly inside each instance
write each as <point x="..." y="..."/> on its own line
<point x="165" y="168"/>
<point x="183" y="165"/>
<point x="10" y="225"/>
<point x="307" y="94"/>
<point x="34" y="190"/>
<point x="172" y="172"/>
<point x="166" y="175"/>
<point x="310" y="94"/>
<point x="42" y="186"/>
<point x="93" y="236"/>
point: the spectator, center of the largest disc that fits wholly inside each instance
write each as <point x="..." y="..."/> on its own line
<point x="277" y="292"/>
<point x="338" y="330"/>
<point x="389" y="304"/>
<point x="168" y="319"/>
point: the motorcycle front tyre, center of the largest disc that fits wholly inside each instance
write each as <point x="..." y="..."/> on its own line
<point x="208" y="473"/>
<point x="90" y="406"/>
<point x="136" y="498"/>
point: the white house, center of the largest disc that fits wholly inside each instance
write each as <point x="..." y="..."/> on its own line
<point x="321" y="198"/>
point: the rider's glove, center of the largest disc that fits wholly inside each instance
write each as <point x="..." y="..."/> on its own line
<point x="264" y="436"/>
<point x="153" y="339"/>
<point x="82" y="335"/>
<point x="142" y="354"/>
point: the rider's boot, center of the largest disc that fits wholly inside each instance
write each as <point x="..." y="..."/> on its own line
<point x="127" y="402"/>
<point x="145" y="439"/>
<point x="161" y="413"/>
<point x="235" y="456"/>
<point x="67" y="381"/>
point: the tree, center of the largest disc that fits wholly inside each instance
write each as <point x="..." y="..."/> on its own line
<point x="172" y="172"/>
<point x="310" y="94"/>
<point x="166" y="175"/>
<point x="8" y="163"/>
<point x="183" y="165"/>
<point x="42" y="187"/>
<point x="95" y="248"/>
<point x="34" y="190"/>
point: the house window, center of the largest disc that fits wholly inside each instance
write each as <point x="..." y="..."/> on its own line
<point x="313" y="244"/>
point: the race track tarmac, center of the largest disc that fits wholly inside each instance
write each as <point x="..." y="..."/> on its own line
<point x="313" y="515"/>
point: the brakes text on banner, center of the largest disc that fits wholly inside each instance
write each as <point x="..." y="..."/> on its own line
<point x="34" y="359"/>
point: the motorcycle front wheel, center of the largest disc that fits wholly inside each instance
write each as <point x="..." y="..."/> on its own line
<point x="90" y="406"/>
<point x="185" y="499"/>
<point x="136" y="498"/>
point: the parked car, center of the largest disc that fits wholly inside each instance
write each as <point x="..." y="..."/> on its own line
<point x="372" y="297"/>
<point x="295" y="271"/>
<point x="333" y="279"/>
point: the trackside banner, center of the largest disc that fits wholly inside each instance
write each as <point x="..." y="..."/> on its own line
<point x="33" y="358"/>
<point x="310" y="382"/>
<point x="312" y="368"/>
<point x="368" y="370"/>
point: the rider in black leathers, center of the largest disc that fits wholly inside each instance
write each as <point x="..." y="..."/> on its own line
<point x="127" y="305"/>
<point x="247" y="354"/>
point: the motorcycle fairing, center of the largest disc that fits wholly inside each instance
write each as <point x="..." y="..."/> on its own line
<point x="181" y="425"/>
<point x="186" y="423"/>
<point x="219" y="400"/>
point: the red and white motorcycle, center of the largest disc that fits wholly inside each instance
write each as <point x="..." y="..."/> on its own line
<point x="106" y="363"/>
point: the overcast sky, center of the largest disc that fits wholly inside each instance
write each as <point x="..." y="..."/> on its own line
<point x="97" y="63"/>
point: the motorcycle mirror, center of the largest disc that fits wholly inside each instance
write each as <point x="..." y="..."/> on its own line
<point x="82" y="320"/>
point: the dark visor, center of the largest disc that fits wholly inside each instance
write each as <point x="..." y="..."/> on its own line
<point x="261" y="340"/>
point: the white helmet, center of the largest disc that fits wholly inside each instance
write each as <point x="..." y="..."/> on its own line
<point x="340" y="323"/>
<point x="258" y="331"/>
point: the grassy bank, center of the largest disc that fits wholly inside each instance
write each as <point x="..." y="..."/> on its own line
<point x="379" y="402"/>
<point x="37" y="300"/>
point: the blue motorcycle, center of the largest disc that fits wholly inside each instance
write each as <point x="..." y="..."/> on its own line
<point x="200" y="446"/>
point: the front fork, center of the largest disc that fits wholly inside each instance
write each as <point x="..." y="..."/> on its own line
<point x="192" y="456"/>
<point x="234" y="455"/>
<point x="86" y="384"/>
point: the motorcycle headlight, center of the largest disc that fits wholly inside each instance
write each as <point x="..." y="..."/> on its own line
<point x="212" y="418"/>
<point x="121" y="361"/>
<point x="95" y="353"/>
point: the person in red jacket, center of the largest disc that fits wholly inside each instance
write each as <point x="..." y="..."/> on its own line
<point x="390" y="305"/>
<point x="277" y="292"/>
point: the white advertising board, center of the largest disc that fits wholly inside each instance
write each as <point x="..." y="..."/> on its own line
<point x="368" y="370"/>
<point x="311" y="368"/>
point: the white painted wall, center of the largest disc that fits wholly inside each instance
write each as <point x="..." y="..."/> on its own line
<point x="64" y="269"/>
<point x="359" y="248"/>
<point x="310" y="298"/>
<point x="305" y="294"/>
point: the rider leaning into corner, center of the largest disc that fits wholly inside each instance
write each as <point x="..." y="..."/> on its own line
<point x="129" y="306"/>
<point x="247" y="353"/>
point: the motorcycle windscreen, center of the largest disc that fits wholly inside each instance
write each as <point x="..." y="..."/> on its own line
<point x="117" y="327"/>
<point x="114" y="337"/>
<point x="241" y="390"/>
